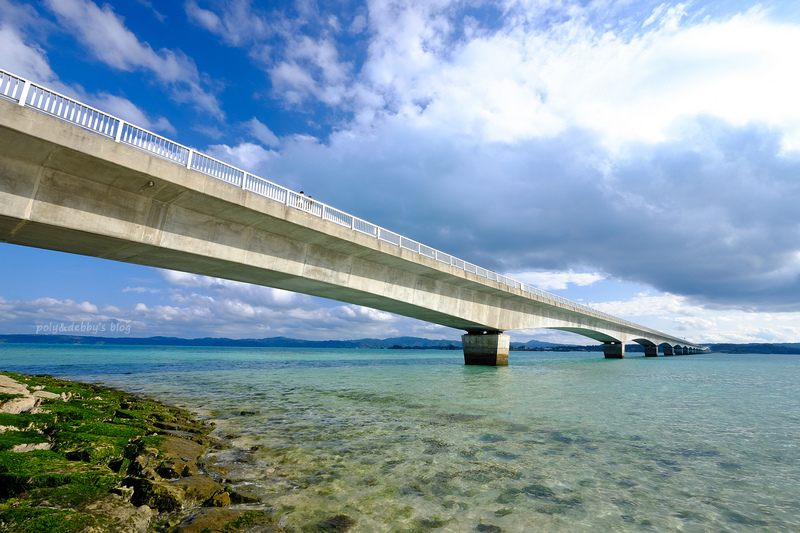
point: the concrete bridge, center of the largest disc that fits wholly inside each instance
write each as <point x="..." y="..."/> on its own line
<point x="77" y="180"/>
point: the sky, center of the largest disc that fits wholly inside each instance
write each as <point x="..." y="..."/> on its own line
<point x="639" y="157"/>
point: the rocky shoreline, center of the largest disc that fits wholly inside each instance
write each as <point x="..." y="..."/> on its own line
<point x="83" y="458"/>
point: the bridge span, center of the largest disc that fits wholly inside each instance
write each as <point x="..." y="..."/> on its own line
<point x="77" y="180"/>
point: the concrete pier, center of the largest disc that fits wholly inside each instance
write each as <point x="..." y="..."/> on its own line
<point x="650" y="351"/>
<point x="614" y="350"/>
<point x="668" y="350"/>
<point x="488" y="349"/>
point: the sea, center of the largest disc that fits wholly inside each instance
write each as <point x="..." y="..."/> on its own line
<point x="410" y="440"/>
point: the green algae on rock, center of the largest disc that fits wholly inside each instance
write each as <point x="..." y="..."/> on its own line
<point x="82" y="458"/>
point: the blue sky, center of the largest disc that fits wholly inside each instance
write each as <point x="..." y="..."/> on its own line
<point x="642" y="157"/>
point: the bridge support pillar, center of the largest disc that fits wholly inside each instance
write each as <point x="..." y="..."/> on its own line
<point x="650" y="351"/>
<point x="489" y="349"/>
<point x="614" y="350"/>
<point x="668" y="350"/>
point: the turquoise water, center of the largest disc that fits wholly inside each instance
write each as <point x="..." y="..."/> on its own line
<point x="416" y="441"/>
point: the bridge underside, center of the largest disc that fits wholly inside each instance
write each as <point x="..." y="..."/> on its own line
<point x="66" y="189"/>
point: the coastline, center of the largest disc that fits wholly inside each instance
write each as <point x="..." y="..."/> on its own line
<point x="83" y="457"/>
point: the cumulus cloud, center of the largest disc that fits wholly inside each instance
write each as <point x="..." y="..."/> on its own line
<point x="24" y="57"/>
<point x="128" y="111"/>
<point x="26" y="60"/>
<point x="678" y="314"/>
<point x="551" y="141"/>
<point x="107" y="37"/>
<point x="311" y="70"/>
<point x="556" y="280"/>
<point x="656" y="154"/>
<point x="238" y="24"/>
<point x="261" y="132"/>
<point x="141" y="290"/>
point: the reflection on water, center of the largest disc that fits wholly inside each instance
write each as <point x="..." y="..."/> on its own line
<point x="416" y="441"/>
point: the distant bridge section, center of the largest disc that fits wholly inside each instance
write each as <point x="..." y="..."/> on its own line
<point x="78" y="180"/>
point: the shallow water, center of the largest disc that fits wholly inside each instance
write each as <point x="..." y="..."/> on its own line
<point x="416" y="441"/>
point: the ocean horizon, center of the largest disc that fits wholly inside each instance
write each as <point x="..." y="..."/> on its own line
<point x="403" y="440"/>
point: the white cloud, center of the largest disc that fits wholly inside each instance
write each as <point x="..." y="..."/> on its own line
<point x="312" y="69"/>
<point x="682" y="317"/>
<point x="126" y="110"/>
<point x="26" y="60"/>
<point x="203" y="17"/>
<point x="239" y="23"/>
<point x="517" y="83"/>
<point x="261" y="132"/>
<point x="141" y="290"/>
<point x="646" y="305"/>
<point x="107" y="37"/>
<point x="29" y="60"/>
<point x="556" y="280"/>
<point x="247" y="156"/>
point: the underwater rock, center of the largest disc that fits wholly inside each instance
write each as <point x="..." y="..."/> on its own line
<point x="338" y="523"/>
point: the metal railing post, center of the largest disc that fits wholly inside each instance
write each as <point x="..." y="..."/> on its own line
<point x="24" y="94"/>
<point x="189" y="159"/>
<point x="120" y="125"/>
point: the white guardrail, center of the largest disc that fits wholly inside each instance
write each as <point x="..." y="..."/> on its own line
<point x="35" y="96"/>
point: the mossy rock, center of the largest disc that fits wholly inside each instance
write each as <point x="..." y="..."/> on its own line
<point x="38" y="520"/>
<point x="9" y="439"/>
<point x="225" y="520"/>
<point x="43" y="468"/>
<point x="173" y="495"/>
<point x="79" y="410"/>
<point x="4" y="397"/>
<point x="138" y="446"/>
<point x="93" y="449"/>
<point x="70" y="496"/>
<point x="40" y="421"/>
<point x="98" y="435"/>
<point x="50" y="384"/>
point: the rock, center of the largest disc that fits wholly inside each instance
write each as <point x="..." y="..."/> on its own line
<point x="220" y="499"/>
<point x="190" y="469"/>
<point x="126" y="493"/>
<point x="177" y="469"/>
<point x="77" y="472"/>
<point x="47" y="395"/>
<point x="26" y="404"/>
<point x="142" y="466"/>
<point x="22" y="448"/>
<point x="223" y="519"/>
<point x="196" y="489"/>
<point x="178" y="457"/>
<point x="174" y="495"/>
<point x="120" y="516"/>
<point x="336" y="523"/>
<point x="243" y="495"/>
<point x="10" y="386"/>
<point x="157" y="495"/>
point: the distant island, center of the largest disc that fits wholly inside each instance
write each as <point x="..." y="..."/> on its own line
<point x="393" y="343"/>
